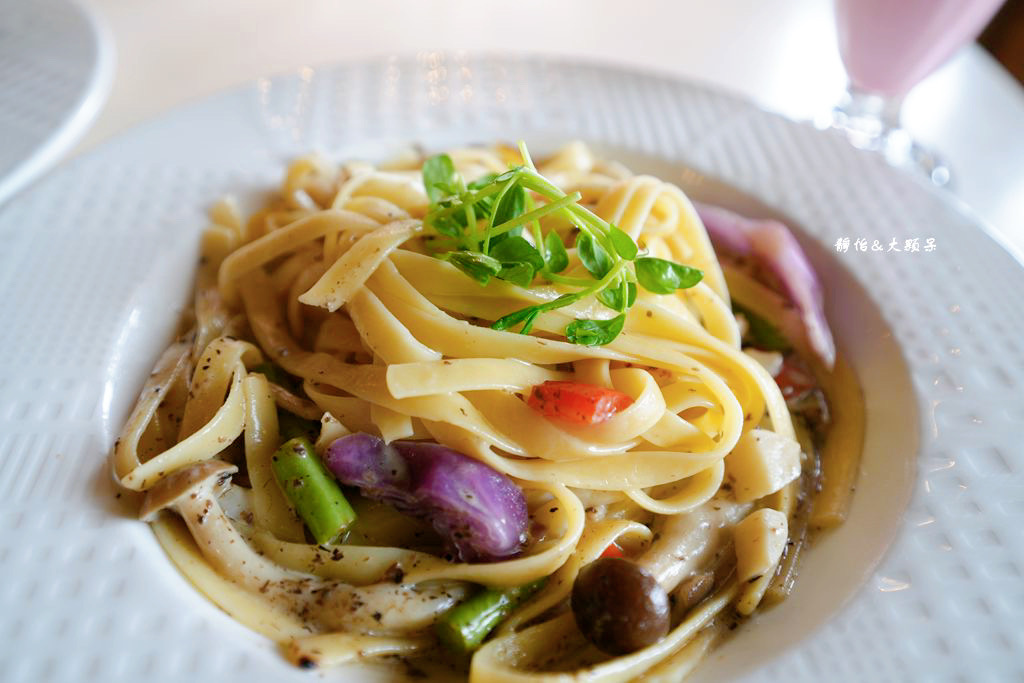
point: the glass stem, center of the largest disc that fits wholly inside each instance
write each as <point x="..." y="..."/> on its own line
<point x="871" y="121"/>
<point x="867" y="117"/>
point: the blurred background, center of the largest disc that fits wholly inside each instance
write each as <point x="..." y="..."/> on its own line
<point x="1004" y="38"/>
<point x="782" y="54"/>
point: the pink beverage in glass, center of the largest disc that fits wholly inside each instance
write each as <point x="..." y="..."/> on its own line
<point x="889" y="45"/>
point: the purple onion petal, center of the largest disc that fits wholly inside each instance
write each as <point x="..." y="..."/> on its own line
<point x="365" y="461"/>
<point x="726" y="229"/>
<point x="773" y="246"/>
<point x="478" y="510"/>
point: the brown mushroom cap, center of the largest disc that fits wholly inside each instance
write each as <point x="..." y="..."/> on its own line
<point x="184" y="483"/>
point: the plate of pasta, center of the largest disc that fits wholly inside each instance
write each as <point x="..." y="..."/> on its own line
<point x="473" y="383"/>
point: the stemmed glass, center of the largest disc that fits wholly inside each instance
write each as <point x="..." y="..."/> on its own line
<point x="887" y="47"/>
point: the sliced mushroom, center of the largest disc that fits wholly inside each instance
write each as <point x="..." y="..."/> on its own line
<point x="387" y="607"/>
<point x="686" y="542"/>
<point x="692" y="591"/>
<point x="192" y="492"/>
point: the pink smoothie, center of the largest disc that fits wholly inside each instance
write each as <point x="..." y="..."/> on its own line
<point x="890" y="45"/>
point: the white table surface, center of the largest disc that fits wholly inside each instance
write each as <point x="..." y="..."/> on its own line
<point x="780" y="53"/>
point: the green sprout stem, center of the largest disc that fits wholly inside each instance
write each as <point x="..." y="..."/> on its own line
<point x="536" y="214"/>
<point x="495" y="205"/>
<point x="566" y="280"/>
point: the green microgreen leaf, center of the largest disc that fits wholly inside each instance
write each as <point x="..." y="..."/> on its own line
<point x="519" y="260"/>
<point x="508" y="175"/>
<point x="523" y="315"/>
<point x="595" y="332"/>
<point x="664" y="277"/>
<point x="517" y="273"/>
<point x="630" y="294"/>
<point x="511" y="204"/>
<point x="516" y="249"/>
<point x="482" y="182"/>
<point x="446" y="225"/>
<point x="480" y="267"/>
<point x="531" y="312"/>
<point x="495" y="240"/>
<point x="558" y="257"/>
<point x="439" y="177"/>
<point x="623" y="243"/>
<point x="446" y="189"/>
<point x="618" y="298"/>
<point x="593" y="256"/>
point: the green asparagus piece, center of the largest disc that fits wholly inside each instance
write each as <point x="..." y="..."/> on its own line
<point x="762" y="334"/>
<point x="311" y="490"/>
<point x="464" y="627"/>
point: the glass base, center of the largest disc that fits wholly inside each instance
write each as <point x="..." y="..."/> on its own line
<point x="872" y="122"/>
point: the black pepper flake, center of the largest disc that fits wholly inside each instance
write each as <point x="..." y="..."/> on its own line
<point x="394" y="574"/>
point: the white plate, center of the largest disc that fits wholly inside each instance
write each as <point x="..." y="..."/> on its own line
<point x="97" y="263"/>
<point x="56" y="67"/>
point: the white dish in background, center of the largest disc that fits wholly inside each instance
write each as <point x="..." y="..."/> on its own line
<point x="56" y="68"/>
<point x="94" y="289"/>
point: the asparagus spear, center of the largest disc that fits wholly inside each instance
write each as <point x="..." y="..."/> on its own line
<point x="311" y="490"/>
<point x="464" y="627"/>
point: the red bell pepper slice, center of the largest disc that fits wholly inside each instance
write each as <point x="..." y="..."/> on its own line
<point x="576" y="402"/>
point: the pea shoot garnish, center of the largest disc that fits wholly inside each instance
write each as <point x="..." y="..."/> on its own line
<point x="479" y="228"/>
